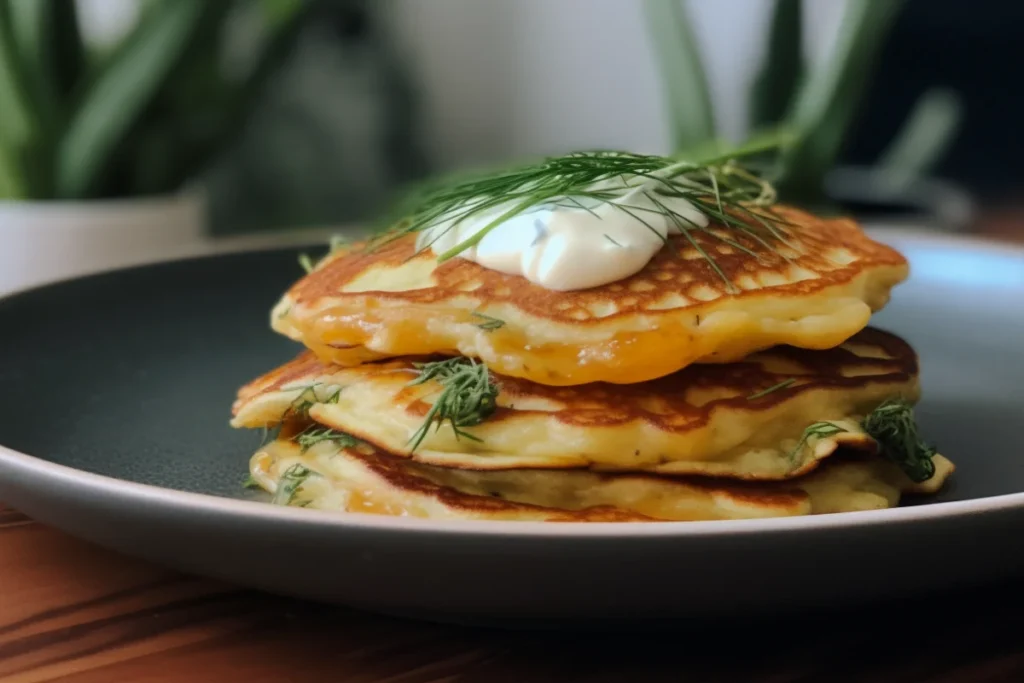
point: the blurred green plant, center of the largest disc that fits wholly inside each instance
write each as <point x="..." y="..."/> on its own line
<point x="815" y="108"/>
<point x="143" y="117"/>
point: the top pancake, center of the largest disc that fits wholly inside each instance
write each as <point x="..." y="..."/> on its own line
<point x="814" y="290"/>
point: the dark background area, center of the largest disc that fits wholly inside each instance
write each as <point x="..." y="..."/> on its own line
<point x="975" y="47"/>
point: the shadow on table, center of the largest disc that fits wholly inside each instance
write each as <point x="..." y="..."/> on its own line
<point x="966" y="636"/>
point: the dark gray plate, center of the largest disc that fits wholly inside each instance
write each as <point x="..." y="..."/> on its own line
<point x="114" y="399"/>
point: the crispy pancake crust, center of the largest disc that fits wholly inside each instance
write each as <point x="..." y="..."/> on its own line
<point x="364" y="480"/>
<point x="813" y="291"/>
<point x="741" y="420"/>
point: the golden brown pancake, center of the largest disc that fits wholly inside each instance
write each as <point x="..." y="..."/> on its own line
<point x="814" y="290"/>
<point x="745" y="419"/>
<point x="364" y="480"/>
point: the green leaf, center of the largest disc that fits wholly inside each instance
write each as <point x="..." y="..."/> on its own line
<point x="283" y="30"/>
<point x="766" y="142"/>
<point x="829" y="99"/>
<point x="200" y="110"/>
<point x="691" y="114"/>
<point x="187" y="117"/>
<point x="36" y="40"/>
<point x="776" y="84"/>
<point x="120" y="94"/>
<point x="10" y="179"/>
<point x="31" y="30"/>
<point x="280" y="12"/>
<point x="17" y="122"/>
<point x="153" y="149"/>
<point x="923" y="139"/>
<point x="69" y="60"/>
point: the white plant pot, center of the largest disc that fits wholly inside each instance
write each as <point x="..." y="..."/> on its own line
<point x="45" y="241"/>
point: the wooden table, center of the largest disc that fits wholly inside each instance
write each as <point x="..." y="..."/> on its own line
<point x="75" y="613"/>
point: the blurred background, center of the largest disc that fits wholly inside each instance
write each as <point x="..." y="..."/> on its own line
<point x="135" y="129"/>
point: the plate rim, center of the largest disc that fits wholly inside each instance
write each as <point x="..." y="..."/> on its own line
<point x="30" y="467"/>
<point x="64" y="477"/>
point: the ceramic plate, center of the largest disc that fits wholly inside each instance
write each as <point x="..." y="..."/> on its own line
<point x="114" y="399"/>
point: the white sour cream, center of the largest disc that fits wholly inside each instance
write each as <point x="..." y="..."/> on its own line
<point x="561" y="246"/>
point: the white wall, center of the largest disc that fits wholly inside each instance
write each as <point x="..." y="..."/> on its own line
<point x="505" y="78"/>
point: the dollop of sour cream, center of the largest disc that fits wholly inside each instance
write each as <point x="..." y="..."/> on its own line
<point x="564" y="245"/>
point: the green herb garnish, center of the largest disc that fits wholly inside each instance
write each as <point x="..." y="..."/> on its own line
<point x="719" y="187"/>
<point x="291" y="481"/>
<point x="298" y="408"/>
<point x="250" y="483"/>
<point x="309" y="265"/>
<point x="776" y="387"/>
<point x="314" y="435"/>
<point x="307" y="398"/>
<point x="892" y="425"/>
<point x="817" y="429"/>
<point x="468" y="396"/>
<point x="488" y="322"/>
<point x="337" y="242"/>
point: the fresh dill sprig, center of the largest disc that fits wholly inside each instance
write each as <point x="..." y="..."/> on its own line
<point x="488" y="322"/>
<point x="784" y="384"/>
<point x="309" y="265"/>
<point x="314" y="435"/>
<point x="737" y="199"/>
<point x="468" y="396"/>
<point x="818" y="430"/>
<point x="299" y="408"/>
<point x="291" y="481"/>
<point x="893" y="427"/>
<point x="337" y="242"/>
<point x="307" y="398"/>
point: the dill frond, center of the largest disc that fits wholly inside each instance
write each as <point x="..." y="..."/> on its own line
<point x="468" y="396"/>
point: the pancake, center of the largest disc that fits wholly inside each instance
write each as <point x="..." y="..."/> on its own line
<point x="362" y="479"/>
<point x="814" y="291"/>
<point x="746" y="420"/>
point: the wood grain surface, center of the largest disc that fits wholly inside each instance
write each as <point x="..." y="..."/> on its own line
<point x="75" y="613"/>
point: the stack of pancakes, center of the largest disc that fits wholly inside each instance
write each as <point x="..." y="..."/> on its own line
<point x="736" y="386"/>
